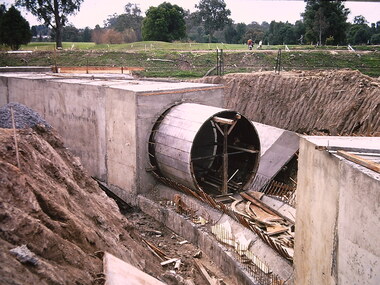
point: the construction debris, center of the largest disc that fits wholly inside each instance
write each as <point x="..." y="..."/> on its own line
<point x="155" y="250"/>
<point x="198" y="254"/>
<point x="202" y="269"/>
<point x="117" y="271"/>
<point x="359" y="160"/>
<point x="24" y="255"/>
<point x="172" y="260"/>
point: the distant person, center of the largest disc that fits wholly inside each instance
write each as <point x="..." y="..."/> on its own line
<point x="250" y="44"/>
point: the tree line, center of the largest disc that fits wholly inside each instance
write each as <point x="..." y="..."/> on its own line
<point x="322" y="23"/>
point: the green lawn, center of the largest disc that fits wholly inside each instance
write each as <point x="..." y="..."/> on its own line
<point x="179" y="46"/>
<point x="189" y="60"/>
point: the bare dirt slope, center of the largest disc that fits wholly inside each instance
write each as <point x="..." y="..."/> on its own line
<point x="54" y="208"/>
<point x="341" y="102"/>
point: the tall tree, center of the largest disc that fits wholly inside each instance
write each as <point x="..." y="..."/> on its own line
<point x="86" y="37"/>
<point x="131" y="19"/>
<point x="214" y="15"/>
<point x="254" y="32"/>
<point x="359" y="32"/>
<point x="164" y="23"/>
<point x="324" y="19"/>
<point x="3" y="9"/>
<point x="280" y="33"/>
<point x="14" y="29"/>
<point x="53" y="12"/>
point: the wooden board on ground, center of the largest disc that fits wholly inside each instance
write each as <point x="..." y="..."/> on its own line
<point x="201" y="268"/>
<point x="118" y="272"/>
<point x="255" y="194"/>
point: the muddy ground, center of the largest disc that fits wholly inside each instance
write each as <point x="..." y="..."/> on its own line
<point x="338" y="102"/>
<point x="52" y="206"/>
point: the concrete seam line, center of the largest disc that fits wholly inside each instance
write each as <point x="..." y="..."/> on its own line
<point x="182" y="91"/>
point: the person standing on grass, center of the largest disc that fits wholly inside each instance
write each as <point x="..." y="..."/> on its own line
<point x="250" y="44"/>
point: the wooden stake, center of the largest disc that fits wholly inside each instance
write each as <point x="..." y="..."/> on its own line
<point x="15" y="138"/>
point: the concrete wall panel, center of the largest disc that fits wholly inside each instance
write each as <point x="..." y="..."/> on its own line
<point x="358" y="228"/>
<point x="4" y="96"/>
<point x="121" y="139"/>
<point x="317" y="202"/>
<point x="338" y="213"/>
<point x="76" y="111"/>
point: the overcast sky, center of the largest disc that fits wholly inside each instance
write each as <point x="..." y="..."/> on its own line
<point x="94" y="12"/>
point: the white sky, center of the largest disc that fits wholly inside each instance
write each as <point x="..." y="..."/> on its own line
<point x="95" y="12"/>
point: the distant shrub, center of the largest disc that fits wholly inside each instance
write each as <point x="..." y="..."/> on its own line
<point x="375" y="39"/>
<point x="330" y="41"/>
<point x="111" y="36"/>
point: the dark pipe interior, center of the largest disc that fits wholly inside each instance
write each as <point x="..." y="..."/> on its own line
<point x="207" y="155"/>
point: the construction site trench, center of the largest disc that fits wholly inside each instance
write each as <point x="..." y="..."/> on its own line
<point x="57" y="222"/>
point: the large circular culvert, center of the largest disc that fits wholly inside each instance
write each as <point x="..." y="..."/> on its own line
<point x="207" y="148"/>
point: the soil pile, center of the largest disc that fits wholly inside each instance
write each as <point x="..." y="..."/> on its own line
<point x="54" y="217"/>
<point x="341" y="102"/>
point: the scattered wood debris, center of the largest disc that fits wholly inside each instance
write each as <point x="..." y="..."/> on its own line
<point x="155" y="250"/>
<point x="172" y="260"/>
<point x="270" y="225"/>
<point x="202" y="269"/>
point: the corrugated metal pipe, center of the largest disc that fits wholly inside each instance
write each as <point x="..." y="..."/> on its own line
<point x="205" y="148"/>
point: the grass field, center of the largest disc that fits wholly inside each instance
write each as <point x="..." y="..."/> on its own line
<point x="179" y="46"/>
<point x="161" y="59"/>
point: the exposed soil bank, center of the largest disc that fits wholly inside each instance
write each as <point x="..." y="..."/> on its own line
<point x="54" y="208"/>
<point x="312" y="102"/>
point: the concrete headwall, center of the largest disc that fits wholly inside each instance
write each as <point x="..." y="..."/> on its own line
<point x="106" y="121"/>
<point x="338" y="210"/>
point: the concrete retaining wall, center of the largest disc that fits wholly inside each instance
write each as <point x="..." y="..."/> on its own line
<point x="338" y="210"/>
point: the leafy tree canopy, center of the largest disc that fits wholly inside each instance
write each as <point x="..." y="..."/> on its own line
<point x="131" y="19"/>
<point x="53" y="12"/>
<point x="359" y="32"/>
<point x="3" y="9"/>
<point x="214" y="15"/>
<point x="164" y="23"/>
<point x="14" y="29"/>
<point x="325" y="19"/>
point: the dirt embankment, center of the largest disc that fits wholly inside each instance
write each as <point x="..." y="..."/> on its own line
<point x="54" y="208"/>
<point x="312" y="102"/>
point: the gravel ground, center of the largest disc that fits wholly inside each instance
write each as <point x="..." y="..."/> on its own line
<point x="24" y="117"/>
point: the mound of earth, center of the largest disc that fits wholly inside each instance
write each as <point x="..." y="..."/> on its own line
<point x="343" y="102"/>
<point x="54" y="217"/>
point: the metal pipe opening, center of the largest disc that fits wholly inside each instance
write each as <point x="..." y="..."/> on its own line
<point x="205" y="148"/>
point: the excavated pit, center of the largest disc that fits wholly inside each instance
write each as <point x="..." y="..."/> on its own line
<point x="315" y="102"/>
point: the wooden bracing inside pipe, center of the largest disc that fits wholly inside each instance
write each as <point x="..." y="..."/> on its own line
<point x="225" y="126"/>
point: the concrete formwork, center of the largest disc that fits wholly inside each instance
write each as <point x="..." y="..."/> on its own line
<point x="106" y="120"/>
<point x="338" y="210"/>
